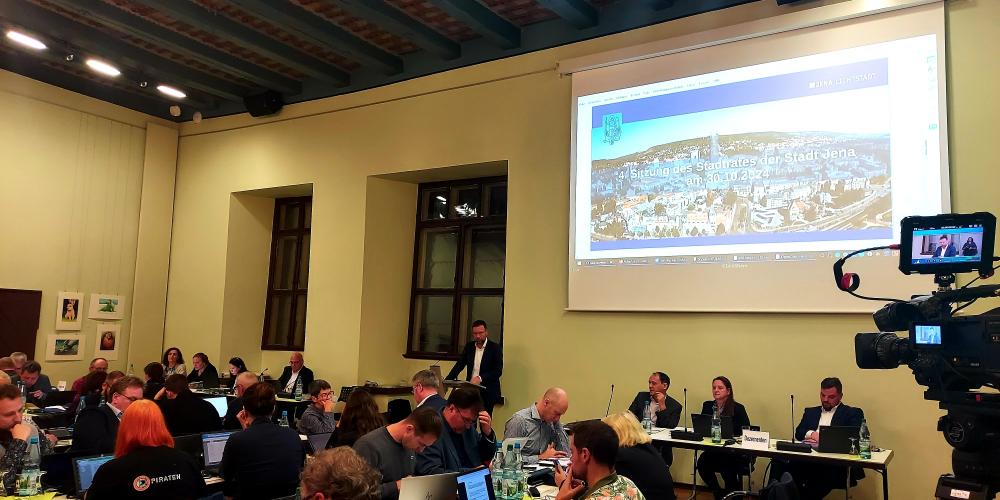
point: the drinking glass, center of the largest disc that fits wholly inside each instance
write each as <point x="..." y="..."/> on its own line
<point x="854" y="446"/>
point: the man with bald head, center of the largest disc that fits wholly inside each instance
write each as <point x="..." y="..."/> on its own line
<point x="240" y="385"/>
<point x="540" y="424"/>
<point x="296" y="370"/>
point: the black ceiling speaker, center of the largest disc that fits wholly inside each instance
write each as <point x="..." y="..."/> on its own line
<point x="786" y="2"/>
<point x="267" y="103"/>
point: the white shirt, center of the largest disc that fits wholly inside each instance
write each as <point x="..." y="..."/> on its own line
<point x="116" y="411"/>
<point x="479" y="358"/>
<point x="825" y="418"/>
<point x="290" y="386"/>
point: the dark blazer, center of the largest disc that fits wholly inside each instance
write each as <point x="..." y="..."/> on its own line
<point x="490" y="368"/>
<point x="645" y="467"/>
<point x="189" y="414"/>
<point x="151" y="388"/>
<point x="305" y="374"/>
<point x="442" y="456"/>
<point x="95" y="430"/>
<point x="42" y="384"/>
<point x="230" y="421"/>
<point x="740" y="417"/>
<point x="263" y="461"/>
<point x="667" y="419"/>
<point x="435" y="401"/>
<point x="845" y="416"/>
<point x="209" y="379"/>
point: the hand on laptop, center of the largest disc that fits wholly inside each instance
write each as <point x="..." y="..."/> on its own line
<point x="812" y="438"/>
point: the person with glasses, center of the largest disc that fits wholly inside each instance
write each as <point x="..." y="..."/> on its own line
<point x="461" y="447"/>
<point x="96" y="428"/>
<point x="339" y="474"/>
<point x="185" y="412"/>
<point x="318" y="417"/>
<point x="392" y="449"/>
<point x="427" y="390"/>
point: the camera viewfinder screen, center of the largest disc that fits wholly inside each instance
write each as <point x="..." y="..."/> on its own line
<point x="928" y="335"/>
<point x="947" y="245"/>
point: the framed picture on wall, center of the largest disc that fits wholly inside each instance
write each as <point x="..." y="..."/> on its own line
<point x="106" y="345"/>
<point x="69" y="311"/>
<point x="106" y="306"/>
<point x="64" y="347"/>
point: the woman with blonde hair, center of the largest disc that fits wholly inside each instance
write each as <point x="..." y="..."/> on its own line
<point x="638" y="460"/>
<point x="146" y="465"/>
<point x="341" y="474"/>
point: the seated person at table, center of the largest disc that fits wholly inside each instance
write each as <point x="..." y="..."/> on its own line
<point x="540" y="424"/>
<point x="727" y="465"/>
<point x="113" y="376"/>
<point x="339" y="474"/>
<point x="15" y="434"/>
<point x="638" y="460"/>
<point x="243" y="381"/>
<point x="19" y="358"/>
<point x="815" y="481"/>
<point x="154" y="380"/>
<point x="204" y="372"/>
<point x="360" y="417"/>
<point x="36" y="384"/>
<point x="97" y="426"/>
<point x="97" y="365"/>
<point x="184" y="411"/>
<point x="173" y="362"/>
<point x="318" y="417"/>
<point x="236" y="367"/>
<point x="146" y="465"/>
<point x="295" y="370"/>
<point x="664" y="411"/>
<point x="460" y="447"/>
<point x="7" y="366"/>
<point x="427" y="390"/>
<point x="392" y="449"/>
<point x="592" y="475"/>
<point x="263" y="460"/>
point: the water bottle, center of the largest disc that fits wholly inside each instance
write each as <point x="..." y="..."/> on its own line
<point x="131" y="370"/>
<point x="517" y="471"/>
<point x="647" y="423"/>
<point x="716" y="425"/>
<point x="509" y="484"/>
<point x="298" y="389"/>
<point x="24" y="393"/>
<point x="284" y="419"/>
<point x="27" y="481"/>
<point x="865" y="441"/>
<point x="497" y="473"/>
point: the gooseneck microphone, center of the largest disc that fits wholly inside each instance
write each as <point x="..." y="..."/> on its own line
<point x="686" y="410"/>
<point x="685" y="434"/>
<point x="792" y="420"/>
<point x="792" y="445"/>
<point x="608" y="411"/>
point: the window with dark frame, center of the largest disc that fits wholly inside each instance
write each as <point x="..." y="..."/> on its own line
<point x="288" y="278"/>
<point x="458" y="267"/>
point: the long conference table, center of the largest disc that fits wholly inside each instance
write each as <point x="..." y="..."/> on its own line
<point x="879" y="461"/>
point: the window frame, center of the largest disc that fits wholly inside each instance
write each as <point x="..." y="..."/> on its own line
<point x="465" y="227"/>
<point x="294" y="292"/>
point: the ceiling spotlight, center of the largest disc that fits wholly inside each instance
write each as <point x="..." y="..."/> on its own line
<point x="170" y="91"/>
<point x="26" y="40"/>
<point x="70" y="57"/>
<point x="143" y="84"/>
<point x="196" y="117"/>
<point x="103" y="67"/>
<point x="175" y="110"/>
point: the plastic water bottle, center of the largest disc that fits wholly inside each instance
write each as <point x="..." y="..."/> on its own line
<point x="284" y="419"/>
<point x="298" y="389"/>
<point x="509" y="475"/>
<point x="27" y="481"/>
<point x="517" y="471"/>
<point x="716" y="425"/>
<point x="647" y="423"/>
<point x="865" y="441"/>
<point x="24" y="392"/>
<point x="498" y="470"/>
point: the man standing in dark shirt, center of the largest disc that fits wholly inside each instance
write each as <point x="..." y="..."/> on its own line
<point x="482" y="361"/>
<point x="184" y="412"/>
<point x="460" y="446"/>
<point x="391" y="449"/>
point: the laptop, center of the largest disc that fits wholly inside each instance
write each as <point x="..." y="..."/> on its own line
<point x="212" y="446"/>
<point x="436" y="487"/>
<point x="221" y="404"/>
<point x="59" y="398"/>
<point x="318" y="442"/>
<point x="190" y="444"/>
<point x="475" y="485"/>
<point x="836" y="438"/>
<point x="703" y="425"/>
<point x="84" y="469"/>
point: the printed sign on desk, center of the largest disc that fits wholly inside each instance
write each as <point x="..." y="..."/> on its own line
<point x="756" y="440"/>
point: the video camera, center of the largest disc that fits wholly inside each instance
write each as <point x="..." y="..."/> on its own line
<point x="953" y="356"/>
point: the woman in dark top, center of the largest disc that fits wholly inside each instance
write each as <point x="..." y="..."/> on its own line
<point x="970" y="249"/>
<point x="236" y="367"/>
<point x="154" y="380"/>
<point x="146" y="465"/>
<point x="729" y="466"/>
<point x="360" y="417"/>
<point x="203" y="372"/>
<point x="90" y="394"/>
<point x="638" y="460"/>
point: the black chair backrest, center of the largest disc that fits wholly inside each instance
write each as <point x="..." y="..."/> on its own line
<point x="398" y="410"/>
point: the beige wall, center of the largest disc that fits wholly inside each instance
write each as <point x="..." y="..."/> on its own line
<point x="71" y="177"/>
<point x="518" y="110"/>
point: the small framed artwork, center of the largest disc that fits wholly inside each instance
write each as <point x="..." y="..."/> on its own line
<point x="64" y="347"/>
<point x="69" y="311"/>
<point x="107" y="341"/>
<point x="106" y="306"/>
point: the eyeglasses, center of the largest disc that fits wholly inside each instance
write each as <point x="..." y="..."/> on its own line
<point x="130" y="398"/>
<point x="469" y="421"/>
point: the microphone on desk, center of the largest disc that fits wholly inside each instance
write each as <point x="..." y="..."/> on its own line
<point x="608" y="411"/>
<point x="685" y="434"/>
<point x="792" y="445"/>
<point x="261" y="376"/>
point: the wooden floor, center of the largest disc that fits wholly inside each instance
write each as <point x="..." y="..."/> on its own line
<point x="684" y="493"/>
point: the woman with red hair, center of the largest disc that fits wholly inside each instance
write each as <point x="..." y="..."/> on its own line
<point x="146" y="465"/>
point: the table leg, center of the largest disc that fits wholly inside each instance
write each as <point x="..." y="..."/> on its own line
<point x="847" y="485"/>
<point x="694" y="477"/>
<point x="885" y="483"/>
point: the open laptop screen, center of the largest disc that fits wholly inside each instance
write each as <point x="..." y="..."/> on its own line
<point x="221" y="405"/>
<point x="213" y="444"/>
<point x="85" y="468"/>
<point x="475" y="485"/>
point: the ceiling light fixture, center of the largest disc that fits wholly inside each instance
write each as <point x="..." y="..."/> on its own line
<point x="26" y="40"/>
<point x="103" y="67"/>
<point x="170" y="91"/>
